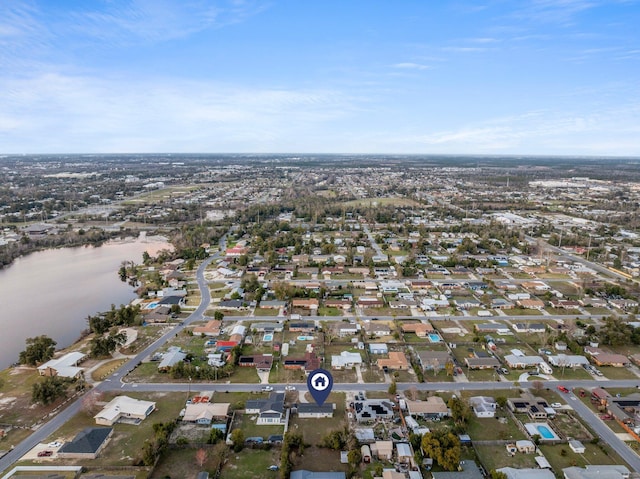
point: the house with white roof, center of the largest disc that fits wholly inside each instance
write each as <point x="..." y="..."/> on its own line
<point x="64" y="367"/>
<point x="124" y="409"/>
<point x="568" y="360"/>
<point x="346" y="360"/>
<point x="483" y="406"/>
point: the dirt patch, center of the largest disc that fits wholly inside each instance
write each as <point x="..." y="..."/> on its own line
<point x="8" y="401"/>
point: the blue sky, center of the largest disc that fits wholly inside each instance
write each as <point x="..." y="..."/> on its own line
<point x="456" y="77"/>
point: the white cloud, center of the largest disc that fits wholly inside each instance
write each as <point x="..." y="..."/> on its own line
<point x="411" y="66"/>
<point x="96" y="114"/>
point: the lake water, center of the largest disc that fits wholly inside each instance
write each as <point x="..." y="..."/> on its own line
<point x="52" y="292"/>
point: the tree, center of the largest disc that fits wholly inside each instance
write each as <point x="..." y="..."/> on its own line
<point x="90" y="402"/>
<point x="537" y="386"/>
<point x="354" y="457"/>
<point x="201" y="457"/>
<point x="218" y="315"/>
<point x="38" y="350"/>
<point x="493" y="474"/>
<point x="393" y="388"/>
<point x="501" y="401"/>
<point x="47" y="391"/>
<point x="443" y="447"/>
<point x="460" y="411"/>
<point x="104" y="345"/>
<point x="237" y="440"/>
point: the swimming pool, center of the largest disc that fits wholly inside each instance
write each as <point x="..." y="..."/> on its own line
<point x="305" y="338"/>
<point x="267" y="337"/>
<point x="543" y="430"/>
<point x="434" y="338"/>
<point x="153" y="305"/>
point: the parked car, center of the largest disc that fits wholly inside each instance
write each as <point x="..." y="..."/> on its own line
<point x="273" y="467"/>
<point x="267" y="389"/>
<point x="45" y="453"/>
<point x="289" y="388"/>
<point x="556" y="405"/>
<point x="563" y="389"/>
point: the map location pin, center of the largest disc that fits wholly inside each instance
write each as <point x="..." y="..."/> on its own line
<point x="320" y="384"/>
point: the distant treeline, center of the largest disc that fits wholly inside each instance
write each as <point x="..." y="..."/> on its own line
<point x="66" y="238"/>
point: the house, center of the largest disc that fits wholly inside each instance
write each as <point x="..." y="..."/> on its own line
<point x="422" y="330"/>
<point x="262" y="362"/>
<point x="370" y="410"/>
<point x="567" y="360"/>
<point x="467" y="470"/>
<point x="270" y="411"/>
<point x="483" y="406"/>
<point x="383" y="450"/>
<point x="529" y="473"/>
<point x="212" y="328"/>
<point x="267" y="327"/>
<point x="404" y="454"/>
<point x="516" y="361"/>
<point x="304" y="474"/>
<point x="124" y="409"/>
<point x="173" y="356"/>
<point x="302" y="327"/>
<point x="498" y="328"/>
<point x="369" y="302"/>
<point x="378" y="348"/>
<point x="376" y="328"/>
<point x="397" y="361"/>
<point x="603" y="358"/>
<point x="314" y="411"/>
<point x="434" y="407"/>
<point x="576" y="446"/>
<point x="433" y="360"/>
<point x="346" y="360"/>
<point x="596" y="472"/>
<point x="482" y="363"/>
<point x="529" y="328"/>
<point x="205" y="412"/>
<point x="311" y="304"/>
<point x="532" y="303"/>
<point x="307" y="363"/>
<point x="64" y="367"/>
<point x="525" y="446"/>
<point x="87" y="444"/>
<point x="343" y="330"/>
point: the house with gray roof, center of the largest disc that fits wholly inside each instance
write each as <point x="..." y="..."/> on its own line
<point x="173" y="356"/>
<point x="596" y="472"/>
<point x="87" y="444"/>
<point x="513" y="473"/>
<point x="312" y="410"/>
<point x="270" y="411"/>
<point x="470" y="470"/>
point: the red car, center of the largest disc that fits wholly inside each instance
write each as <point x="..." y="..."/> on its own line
<point x="563" y="389"/>
<point x="45" y="453"/>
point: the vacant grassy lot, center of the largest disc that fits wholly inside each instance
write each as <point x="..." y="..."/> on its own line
<point x="313" y="430"/>
<point x="488" y="429"/>
<point x="494" y="457"/>
<point x="107" y="368"/>
<point x="251" y="464"/>
<point x="247" y="422"/>
<point x="16" y="407"/>
<point x="265" y="312"/>
<point x="594" y="454"/>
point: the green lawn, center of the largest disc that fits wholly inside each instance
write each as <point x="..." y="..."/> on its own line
<point x="488" y="429"/>
<point x="494" y="457"/>
<point x="313" y="430"/>
<point x="594" y="454"/>
<point x="265" y="312"/>
<point x="617" y="373"/>
<point x="522" y="312"/>
<point x="251" y="464"/>
<point x="247" y="422"/>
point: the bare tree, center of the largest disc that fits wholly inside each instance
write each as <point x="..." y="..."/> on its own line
<point x="90" y="402"/>
<point x="201" y="457"/>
